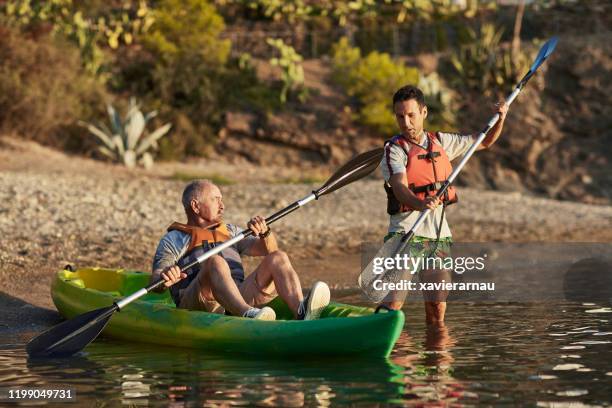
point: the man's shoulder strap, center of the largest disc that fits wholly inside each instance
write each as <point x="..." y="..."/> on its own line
<point x="398" y="141"/>
<point x="435" y="136"/>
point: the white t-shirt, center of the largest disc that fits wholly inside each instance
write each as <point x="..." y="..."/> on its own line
<point x="394" y="161"/>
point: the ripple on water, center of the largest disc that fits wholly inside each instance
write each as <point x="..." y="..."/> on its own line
<point x="600" y="310"/>
<point x="592" y="342"/>
<point x="564" y="367"/>
<point x="571" y="393"/>
<point x="543" y="377"/>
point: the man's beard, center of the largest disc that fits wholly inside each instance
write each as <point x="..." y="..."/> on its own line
<point x="412" y="135"/>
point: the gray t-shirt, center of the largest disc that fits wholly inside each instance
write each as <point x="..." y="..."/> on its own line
<point x="173" y="246"/>
<point x="394" y="161"/>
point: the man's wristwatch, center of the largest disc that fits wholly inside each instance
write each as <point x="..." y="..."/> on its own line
<point x="265" y="234"/>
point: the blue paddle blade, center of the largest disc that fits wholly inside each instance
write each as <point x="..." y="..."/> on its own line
<point x="545" y="51"/>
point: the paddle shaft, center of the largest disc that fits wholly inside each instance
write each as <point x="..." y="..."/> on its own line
<point x="218" y="248"/>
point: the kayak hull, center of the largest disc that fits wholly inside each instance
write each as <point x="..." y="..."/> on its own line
<point x="342" y="330"/>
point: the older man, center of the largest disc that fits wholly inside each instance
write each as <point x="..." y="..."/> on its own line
<point x="218" y="284"/>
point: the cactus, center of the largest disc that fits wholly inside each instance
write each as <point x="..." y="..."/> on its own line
<point x="484" y="64"/>
<point x="292" y="71"/>
<point x="89" y="34"/>
<point x="124" y="141"/>
<point x="439" y="100"/>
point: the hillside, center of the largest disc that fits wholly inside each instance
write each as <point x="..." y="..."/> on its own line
<point x="554" y="143"/>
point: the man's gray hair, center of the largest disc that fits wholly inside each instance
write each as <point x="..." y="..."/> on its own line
<point x="193" y="191"/>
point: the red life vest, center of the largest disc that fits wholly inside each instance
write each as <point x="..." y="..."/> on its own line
<point x="426" y="172"/>
<point x="202" y="236"/>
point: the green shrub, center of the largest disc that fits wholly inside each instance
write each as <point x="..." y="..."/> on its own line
<point x="483" y="64"/>
<point x="186" y="139"/>
<point x="188" y="62"/>
<point x="246" y="91"/>
<point x="371" y="80"/>
<point x="188" y="53"/>
<point x="91" y="25"/>
<point x="345" y="59"/>
<point x="62" y="19"/>
<point x="44" y="90"/>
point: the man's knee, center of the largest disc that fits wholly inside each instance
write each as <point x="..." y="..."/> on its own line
<point x="278" y="258"/>
<point x="215" y="262"/>
<point x="215" y="265"/>
<point x="394" y="305"/>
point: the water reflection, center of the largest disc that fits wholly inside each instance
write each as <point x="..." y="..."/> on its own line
<point x="427" y="370"/>
<point x="139" y="375"/>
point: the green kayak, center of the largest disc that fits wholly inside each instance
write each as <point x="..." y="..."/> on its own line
<point x="342" y="330"/>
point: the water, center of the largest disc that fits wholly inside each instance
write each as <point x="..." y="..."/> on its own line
<point x="489" y="354"/>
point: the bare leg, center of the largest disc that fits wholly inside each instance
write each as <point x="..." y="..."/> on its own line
<point x="216" y="276"/>
<point x="277" y="268"/>
<point x="395" y="299"/>
<point x="434" y="313"/>
<point x="394" y="305"/>
<point x="435" y="301"/>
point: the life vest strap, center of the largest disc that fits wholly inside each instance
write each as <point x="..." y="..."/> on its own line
<point x="427" y="188"/>
<point x="429" y="155"/>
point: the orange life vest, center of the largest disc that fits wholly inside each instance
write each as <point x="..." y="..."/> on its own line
<point x="202" y="236"/>
<point x="203" y="240"/>
<point x="426" y="171"/>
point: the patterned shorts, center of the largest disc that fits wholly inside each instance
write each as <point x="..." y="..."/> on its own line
<point x="425" y="248"/>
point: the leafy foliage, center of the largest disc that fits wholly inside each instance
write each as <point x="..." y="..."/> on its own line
<point x="484" y="65"/>
<point x="124" y="141"/>
<point x="292" y="76"/>
<point x="248" y="92"/>
<point x="439" y="9"/>
<point x="43" y="88"/>
<point x="90" y="34"/>
<point x="342" y="12"/>
<point x="188" y="56"/>
<point x="371" y="80"/>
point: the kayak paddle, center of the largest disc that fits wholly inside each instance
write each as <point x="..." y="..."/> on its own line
<point x="73" y="335"/>
<point x="397" y="245"/>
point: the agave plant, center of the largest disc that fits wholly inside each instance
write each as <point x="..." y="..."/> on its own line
<point x="439" y="100"/>
<point x="126" y="142"/>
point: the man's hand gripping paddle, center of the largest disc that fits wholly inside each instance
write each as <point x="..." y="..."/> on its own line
<point x="371" y="280"/>
<point x="73" y="335"/>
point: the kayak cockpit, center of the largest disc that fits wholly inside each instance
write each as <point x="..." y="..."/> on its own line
<point x="117" y="283"/>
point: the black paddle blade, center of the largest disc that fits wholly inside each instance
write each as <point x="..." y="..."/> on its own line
<point x="358" y="167"/>
<point x="71" y="336"/>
